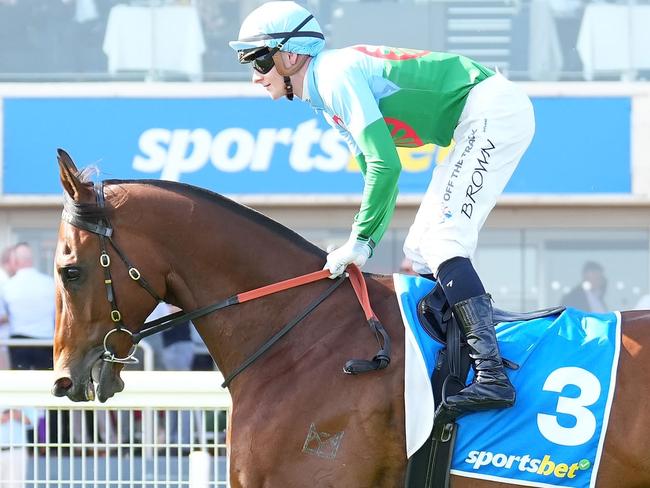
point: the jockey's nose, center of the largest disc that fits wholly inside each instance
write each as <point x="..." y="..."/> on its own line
<point x="257" y="76"/>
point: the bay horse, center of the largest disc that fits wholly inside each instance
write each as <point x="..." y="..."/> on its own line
<point x="195" y="247"/>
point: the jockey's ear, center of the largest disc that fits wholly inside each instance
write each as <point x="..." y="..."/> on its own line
<point x="69" y="173"/>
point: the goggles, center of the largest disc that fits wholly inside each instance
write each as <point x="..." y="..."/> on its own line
<point x="264" y="63"/>
<point x="260" y="58"/>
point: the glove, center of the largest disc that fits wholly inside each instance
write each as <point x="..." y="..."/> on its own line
<point x="355" y="251"/>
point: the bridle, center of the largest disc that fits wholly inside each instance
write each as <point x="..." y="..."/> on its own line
<point x="104" y="230"/>
<point x="102" y="227"/>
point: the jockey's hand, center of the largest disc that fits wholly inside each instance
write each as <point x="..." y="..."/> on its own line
<point x="355" y="251"/>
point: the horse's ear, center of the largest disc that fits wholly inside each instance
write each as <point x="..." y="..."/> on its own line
<point x="70" y="177"/>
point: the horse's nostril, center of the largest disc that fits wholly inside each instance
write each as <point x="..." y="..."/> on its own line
<point x="61" y="386"/>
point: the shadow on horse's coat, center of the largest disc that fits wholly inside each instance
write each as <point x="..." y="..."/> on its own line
<point x="194" y="248"/>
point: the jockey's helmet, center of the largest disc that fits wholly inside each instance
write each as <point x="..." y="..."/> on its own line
<point x="278" y="26"/>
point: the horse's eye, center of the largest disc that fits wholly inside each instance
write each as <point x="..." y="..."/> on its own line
<point x="70" y="273"/>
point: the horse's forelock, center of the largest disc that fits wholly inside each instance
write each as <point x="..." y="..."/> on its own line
<point x="86" y="174"/>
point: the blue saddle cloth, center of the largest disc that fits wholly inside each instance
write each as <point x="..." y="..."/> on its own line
<point x="554" y="434"/>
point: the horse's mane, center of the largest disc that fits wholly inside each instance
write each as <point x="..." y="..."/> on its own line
<point x="227" y="203"/>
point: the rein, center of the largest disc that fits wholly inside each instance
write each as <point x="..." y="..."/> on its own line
<point x="104" y="230"/>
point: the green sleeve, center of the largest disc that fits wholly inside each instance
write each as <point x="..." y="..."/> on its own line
<point x="381" y="167"/>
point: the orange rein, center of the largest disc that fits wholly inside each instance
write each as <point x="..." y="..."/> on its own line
<point x="355" y="275"/>
<point x="353" y="366"/>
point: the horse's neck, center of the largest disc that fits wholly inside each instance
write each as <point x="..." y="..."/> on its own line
<point x="217" y="252"/>
<point x="238" y="254"/>
<point x="253" y="259"/>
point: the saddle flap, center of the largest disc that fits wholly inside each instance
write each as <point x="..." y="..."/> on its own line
<point x="506" y="316"/>
<point x="434" y="314"/>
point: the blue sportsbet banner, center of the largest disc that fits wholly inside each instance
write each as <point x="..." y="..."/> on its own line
<point x="255" y="146"/>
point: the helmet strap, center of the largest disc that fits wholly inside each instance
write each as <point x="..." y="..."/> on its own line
<point x="288" y="87"/>
<point x="285" y="70"/>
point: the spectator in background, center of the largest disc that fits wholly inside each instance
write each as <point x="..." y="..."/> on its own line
<point x="29" y="298"/>
<point x="177" y="355"/>
<point x="202" y="359"/>
<point x="5" y="264"/>
<point x="29" y="301"/>
<point x="588" y="295"/>
<point x="14" y="423"/>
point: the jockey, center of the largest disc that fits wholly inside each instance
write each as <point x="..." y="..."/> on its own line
<point x="379" y="98"/>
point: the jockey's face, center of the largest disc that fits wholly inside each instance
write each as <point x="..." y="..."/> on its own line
<point x="272" y="81"/>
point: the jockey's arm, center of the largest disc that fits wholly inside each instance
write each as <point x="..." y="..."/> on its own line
<point x="369" y="139"/>
<point x="381" y="167"/>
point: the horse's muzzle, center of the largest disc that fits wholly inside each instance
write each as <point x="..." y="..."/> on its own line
<point x="77" y="381"/>
<point x="77" y="392"/>
<point x="62" y="386"/>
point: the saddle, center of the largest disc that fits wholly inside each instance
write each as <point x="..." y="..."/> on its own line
<point x="429" y="466"/>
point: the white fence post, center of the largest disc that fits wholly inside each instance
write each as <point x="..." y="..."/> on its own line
<point x="199" y="469"/>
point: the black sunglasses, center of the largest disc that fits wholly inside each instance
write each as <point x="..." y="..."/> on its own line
<point x="260" y="57"/>
<point x="264" y="63"/>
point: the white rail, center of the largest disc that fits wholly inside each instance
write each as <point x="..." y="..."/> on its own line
<point x="165" y="429"/>
<point x="147" y="350"/>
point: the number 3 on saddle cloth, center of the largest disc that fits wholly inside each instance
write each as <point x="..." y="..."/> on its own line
<point x="565" y="372"/>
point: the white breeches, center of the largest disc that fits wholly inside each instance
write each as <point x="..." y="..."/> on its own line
<point x="494" y="131"/>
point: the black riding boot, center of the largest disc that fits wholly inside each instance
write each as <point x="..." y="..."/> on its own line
<point x="491" y="387"/>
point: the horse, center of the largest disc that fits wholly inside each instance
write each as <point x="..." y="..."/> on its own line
<point x="194" y="247"/>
